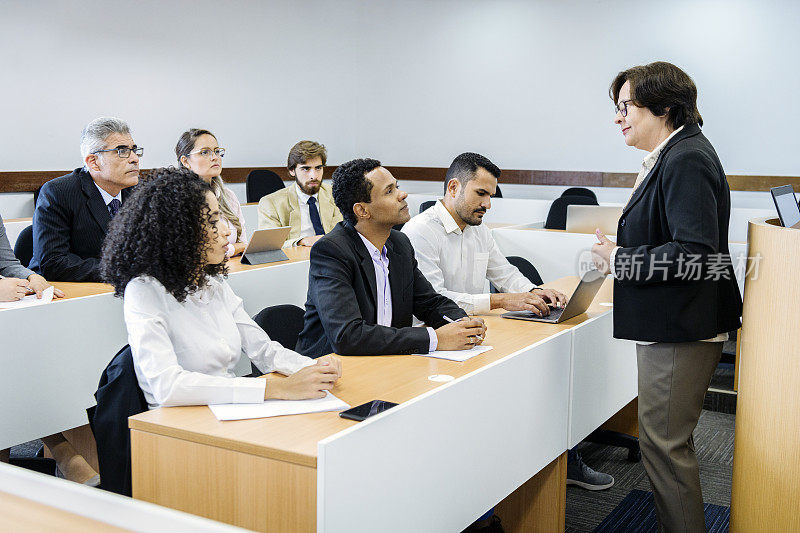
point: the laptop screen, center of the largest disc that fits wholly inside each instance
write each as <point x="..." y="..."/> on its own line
<point x="785" y="202"/>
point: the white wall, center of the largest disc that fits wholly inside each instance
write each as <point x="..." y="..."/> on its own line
<point x="412" y="82"/>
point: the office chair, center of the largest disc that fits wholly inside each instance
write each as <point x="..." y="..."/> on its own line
<point x="525" y="267"/>
<point x="425" y="205"/>
<point x="557" y="216"/>
<point x="118" y="396"/>
<point x="579" y="191"/>
<point x="282" y="323"/>
<point x="260" y="183"/>
<point x="23" y="248"/>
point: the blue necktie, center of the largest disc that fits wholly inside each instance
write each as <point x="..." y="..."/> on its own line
<point x="113" y="207"/>
<point x="314" y="214"/>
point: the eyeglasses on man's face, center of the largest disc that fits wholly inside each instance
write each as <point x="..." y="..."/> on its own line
<point x="123" y="151"/>
<point x="622" y="107"/>
<point x="208" y="153"/>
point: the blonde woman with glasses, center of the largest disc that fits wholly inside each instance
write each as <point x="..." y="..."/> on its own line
<point x="199" y="151"/>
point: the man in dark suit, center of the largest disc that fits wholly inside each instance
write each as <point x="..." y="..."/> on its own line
<point x="364" y="284"/>
<point x="73" y="211"/>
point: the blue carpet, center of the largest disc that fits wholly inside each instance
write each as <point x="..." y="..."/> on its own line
<point x="636" y="513"/>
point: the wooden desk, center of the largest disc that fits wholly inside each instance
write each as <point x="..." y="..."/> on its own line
<point x="79" y="290"/>
<point x="282" y="474"/>
<point x="30" y="501"/>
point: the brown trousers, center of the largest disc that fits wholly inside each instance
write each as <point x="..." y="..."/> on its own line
<point x="673" y="379"/>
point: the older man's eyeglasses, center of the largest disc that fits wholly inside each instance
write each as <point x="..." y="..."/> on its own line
<point x="622" y="107"/>
<point x="124" y="151"/>
<point x="208" y="153"/>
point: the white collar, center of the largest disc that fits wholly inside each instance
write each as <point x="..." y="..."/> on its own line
<point x="107" y="197"/>
<point x="651" y="158"/>
<point x="444" y="216"/>
<point x="303" y="197"/>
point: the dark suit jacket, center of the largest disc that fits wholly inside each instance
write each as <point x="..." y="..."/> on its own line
<point x="677" y="218"/>
<point x="340" y="312"/>
<point x="69" y="225"/>
<point x="118" y="396"/>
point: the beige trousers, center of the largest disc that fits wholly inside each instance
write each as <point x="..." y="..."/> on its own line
<point x="673" y="379"/>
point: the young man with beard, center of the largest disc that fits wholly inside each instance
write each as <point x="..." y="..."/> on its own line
<point x="307" y="206"/>
<point x="458" y="254"/>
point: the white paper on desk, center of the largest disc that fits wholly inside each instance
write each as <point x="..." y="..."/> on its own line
<point x="242" y="411"/>
<point x="457" y="355"/>
<point x="30" y="300"/>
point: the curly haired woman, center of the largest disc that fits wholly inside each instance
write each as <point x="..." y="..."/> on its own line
<point x="165" y="252"/>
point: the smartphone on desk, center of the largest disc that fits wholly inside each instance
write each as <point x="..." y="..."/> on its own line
<point x="366" y="410"/>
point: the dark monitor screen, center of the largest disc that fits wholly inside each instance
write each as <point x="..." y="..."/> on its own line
<point x="786" y="204"/>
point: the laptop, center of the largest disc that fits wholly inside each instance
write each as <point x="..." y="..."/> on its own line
<point x="578" y="303"/>
<point x="786" y="204"/>
<point x="587" y="218"/>
<point x="265" y="246"/>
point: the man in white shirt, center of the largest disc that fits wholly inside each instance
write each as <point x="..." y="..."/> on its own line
<point x="307" y="206"/>
<point x="458" y="254"/>
<point x="459" y="257"/>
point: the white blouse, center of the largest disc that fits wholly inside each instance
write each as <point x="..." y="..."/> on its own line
<point x="185" y="353"/>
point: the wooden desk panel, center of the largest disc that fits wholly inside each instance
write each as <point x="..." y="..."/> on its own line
<point x="22" y="514"/>
<point x="279" y="454"/>
<point x="395" y="378"/>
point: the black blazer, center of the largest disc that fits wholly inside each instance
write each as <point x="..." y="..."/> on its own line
<point x="118" y="396"/>
<point x="676" y="220"/>
<point x="340" y="312"/>
<point x="69" y="225"/>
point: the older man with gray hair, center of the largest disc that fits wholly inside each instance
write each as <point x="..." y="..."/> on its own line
<point x="73" y="211"/>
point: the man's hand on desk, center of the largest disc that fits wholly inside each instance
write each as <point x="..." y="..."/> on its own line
<point x="38" y="284"/>
<point x="520" y="301"/>
<point x="462" y="334"/>
<point x="309" y="241"/>
<point x="552" y="296"/>
<point x="308" y="382"/>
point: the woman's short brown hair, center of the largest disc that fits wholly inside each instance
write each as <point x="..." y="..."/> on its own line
<point x="662" y="88"/>
<point x="305" y="150"/>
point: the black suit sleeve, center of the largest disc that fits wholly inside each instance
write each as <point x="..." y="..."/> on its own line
<point x="689" y="184"/>
<point x="429" y="305"/>
<point x="51" y="241"/>
<point x="331" y="289"/>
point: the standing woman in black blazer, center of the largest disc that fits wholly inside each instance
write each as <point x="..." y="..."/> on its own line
<point x="675" y="293"/>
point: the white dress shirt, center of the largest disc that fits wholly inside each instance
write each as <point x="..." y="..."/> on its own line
<point x="185" y="353"/>
<point x="107" y="197"/>
<point x="459" y="264"/>
<point x="306" y="227"/>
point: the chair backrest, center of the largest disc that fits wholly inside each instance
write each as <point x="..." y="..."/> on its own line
<point x="497" y="193"/>
<point x="580" y="191"/>
<point x="526" y="268"/>
<point x="118" y="397"/>
<point x="23" y="248"/>
<point x="260" y="183"/>
<point x="557" y="216"/>
<point x="425" y="205"/>
<point x="282" y="323"/>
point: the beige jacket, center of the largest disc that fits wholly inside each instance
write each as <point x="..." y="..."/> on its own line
<point x="282" y="208"/>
